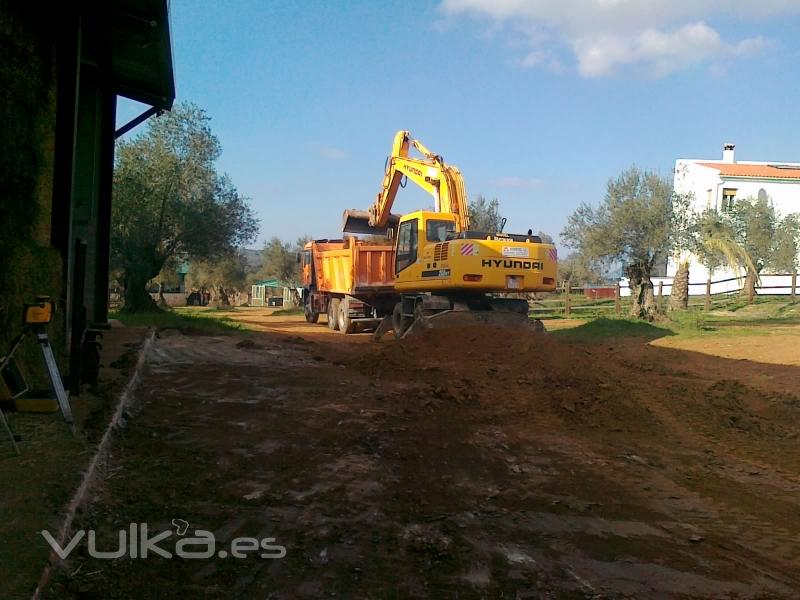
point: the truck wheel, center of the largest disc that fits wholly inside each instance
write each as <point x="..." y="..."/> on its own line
<point x="346" y="324"/>
<point x="333" y="314"/>
<point x="310" y="314"/>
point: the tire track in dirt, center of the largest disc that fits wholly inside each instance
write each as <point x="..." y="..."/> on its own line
<point x="772" y="541"/>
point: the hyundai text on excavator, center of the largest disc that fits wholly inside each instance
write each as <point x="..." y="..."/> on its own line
<point x="441" y="272"/>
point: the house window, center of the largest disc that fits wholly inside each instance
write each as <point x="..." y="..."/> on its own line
<point x="728" y="198"/>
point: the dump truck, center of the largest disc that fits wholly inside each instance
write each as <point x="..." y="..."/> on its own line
<point x="350" y="280"/>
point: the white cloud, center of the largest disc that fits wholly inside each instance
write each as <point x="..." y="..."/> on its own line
<point x="657" y="36"/>
<point x="660" y="52"/>
<point x="542" y="58"/>
<point x="522" y="183"/>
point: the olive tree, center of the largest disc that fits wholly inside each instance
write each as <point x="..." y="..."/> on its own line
<point x="279" y="260"/>
<point x="577" y="270"/>
<point x="755" y="222"/>
<point x="769" y="240"/>
<point x="631" y="226"/>
<point x="787" y="244"/>
<point x="484" y="215"/>
<point x="222" y="277"/>
<point x="169" y="200"/>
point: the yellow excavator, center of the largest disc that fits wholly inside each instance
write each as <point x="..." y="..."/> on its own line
<point x="445" y="272"/>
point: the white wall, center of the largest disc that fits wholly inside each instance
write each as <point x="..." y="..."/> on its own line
<point x="785" y="196"/>
<point x="698" y="179"/>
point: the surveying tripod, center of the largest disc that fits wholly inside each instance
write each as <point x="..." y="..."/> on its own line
<point x="36" y="318"/>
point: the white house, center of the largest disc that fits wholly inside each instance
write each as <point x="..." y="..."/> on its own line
<point x="719" y="184"/>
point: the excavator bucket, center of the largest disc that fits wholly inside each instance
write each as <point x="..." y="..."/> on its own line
<point x="472" y="318"/>
<point x="357" y="221"/>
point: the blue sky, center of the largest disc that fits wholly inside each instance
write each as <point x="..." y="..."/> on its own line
<point x="538" y="102"/>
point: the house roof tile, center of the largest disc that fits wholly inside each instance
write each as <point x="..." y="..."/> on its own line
<point x="756" y="171"/>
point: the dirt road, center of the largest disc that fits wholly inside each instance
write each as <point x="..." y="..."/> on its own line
<point x="470" y="464"/>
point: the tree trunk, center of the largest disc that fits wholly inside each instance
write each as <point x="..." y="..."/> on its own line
<point x="211" y="296"/>
<point x="749" y="289"/>
<point x="679" y="296"/>
<point x="135" y="278"/>
<point x="224" y="299"/>
<point x="644" y="300"/>
<point x="162" y="301"/>
<point x="137" y="299"/>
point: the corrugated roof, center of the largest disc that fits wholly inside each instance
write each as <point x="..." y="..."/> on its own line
<point x="275" y="283"/>
<point x="763" y="171"/>
<point x="141" y="51"/>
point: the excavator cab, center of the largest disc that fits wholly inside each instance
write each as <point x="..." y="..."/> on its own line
<point x="416" y="234"/>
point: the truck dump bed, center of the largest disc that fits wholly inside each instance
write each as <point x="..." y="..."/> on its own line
<point x="354" y="267"/>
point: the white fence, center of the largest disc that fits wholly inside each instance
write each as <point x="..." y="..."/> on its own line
<point x="779" y="284"/>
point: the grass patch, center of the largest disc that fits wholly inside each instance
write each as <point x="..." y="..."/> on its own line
<point x="691" y="323"/>
<point x="186" y="321"/>
<point x="605" y="328"/>
<point x="285" y="312"/>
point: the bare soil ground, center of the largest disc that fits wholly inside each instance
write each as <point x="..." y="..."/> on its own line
<point x="778" y="345"/>
<point x="471" y="463"/>
<point x="36" y="485"/>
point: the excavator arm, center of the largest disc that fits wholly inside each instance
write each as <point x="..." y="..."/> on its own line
<point x="444" y="182"/>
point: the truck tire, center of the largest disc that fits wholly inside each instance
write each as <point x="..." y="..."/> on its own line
<point x="310" y="314"/>
<point x="333" y="314"/>
<point x="346" y="324"/>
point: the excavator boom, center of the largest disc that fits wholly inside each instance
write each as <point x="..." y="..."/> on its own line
<point x="442" y="181"/>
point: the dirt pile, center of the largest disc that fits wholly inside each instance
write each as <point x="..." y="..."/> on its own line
<point x="473" y="351"/>
<point x="626" y="387"/>
<point x="515" y="370"/>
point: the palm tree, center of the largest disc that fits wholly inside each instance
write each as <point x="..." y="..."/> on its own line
<point x="679" y="295"/>
<point x="682" y="241"/>
<point x="713" y="241"/>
